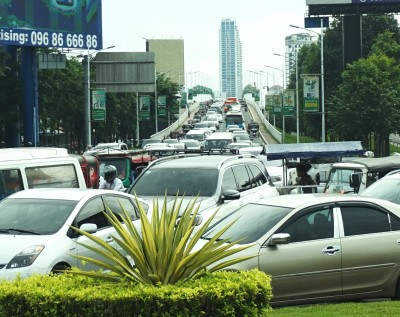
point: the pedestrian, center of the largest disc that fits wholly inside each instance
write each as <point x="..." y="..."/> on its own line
<point x="111" y="181"/>
<point x="304" y="179"/>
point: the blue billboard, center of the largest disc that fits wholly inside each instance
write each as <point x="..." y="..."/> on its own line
<point x="51" y="23"/>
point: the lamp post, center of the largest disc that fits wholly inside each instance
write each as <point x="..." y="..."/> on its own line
<point x="283" y="88"/>
<point x="297" y="100"/>
<point x="322" y="75"/>
<point x="88" y="128"/>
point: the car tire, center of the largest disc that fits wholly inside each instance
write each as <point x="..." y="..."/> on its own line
<point x="58" y="268"/>
<point x="397" y="291"/>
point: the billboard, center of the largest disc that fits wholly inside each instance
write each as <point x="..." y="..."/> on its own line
<point x="337" y="7"/>
<point x="51" y="23"/>
<point x="315" y="2"/>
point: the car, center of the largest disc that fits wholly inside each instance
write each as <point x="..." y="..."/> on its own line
<point x="387" y="187"/>
<point x="218" y="181"/>
<point x="212" y="125"/>
<point x="215" y="119"/>
<point x="175" y="143"/>
<point x="200" y="125"/>
<point x="316" y="247"/>
<point x="35" y="232"/>
<point x="242" y="137"/>
<point x="144" y="142"/>
<point x="233" y="127"/>
<point x="192" y="145"/>
<point x="111" y="146"/>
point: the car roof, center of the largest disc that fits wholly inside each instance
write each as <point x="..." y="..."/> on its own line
<point x="197" y="161"/>
<point x="61" y="193"/>
<point x="304" y="200"/>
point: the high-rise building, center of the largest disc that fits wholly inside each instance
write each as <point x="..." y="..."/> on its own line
<point x="230" y="59"/>
<point x="169" y="58"/>
<point x="293" y="44"/>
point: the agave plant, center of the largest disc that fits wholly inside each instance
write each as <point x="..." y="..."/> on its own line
<point x="163" y="252"/>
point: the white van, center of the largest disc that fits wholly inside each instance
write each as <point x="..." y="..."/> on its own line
<point x="23" y="168"/>
<point x="199" y="135"/>
<point x="219" y="140"/>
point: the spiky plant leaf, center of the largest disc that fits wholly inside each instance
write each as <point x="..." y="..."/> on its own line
<point x="163" y="251"/>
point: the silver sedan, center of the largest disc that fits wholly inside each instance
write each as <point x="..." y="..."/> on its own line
<point x="319" y="248"/>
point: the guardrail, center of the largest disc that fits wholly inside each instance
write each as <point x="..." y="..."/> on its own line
<point x="173" y="127"/>
<point x="271" y="129"/>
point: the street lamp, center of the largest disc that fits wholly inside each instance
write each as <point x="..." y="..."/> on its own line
<point x="283" y="88"/>
<point x="322" y="74"/>
<point x="88" y="128"/>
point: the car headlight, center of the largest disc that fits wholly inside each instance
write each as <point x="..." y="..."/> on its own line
<point x="26" y="257"/>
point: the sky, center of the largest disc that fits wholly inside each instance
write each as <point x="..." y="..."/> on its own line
<point x="262" y="25"/>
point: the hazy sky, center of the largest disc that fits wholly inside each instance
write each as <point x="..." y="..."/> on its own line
<point x="262" y="24"/>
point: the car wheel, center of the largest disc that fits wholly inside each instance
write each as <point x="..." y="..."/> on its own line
<point x="397" y="292"/>
<point x="59" y="268"/>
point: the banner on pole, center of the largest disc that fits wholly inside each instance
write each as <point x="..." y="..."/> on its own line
<point x="144" y="108"/>
<point x="162" y="105"/>
<point x="288" y="102"/>
<point x="99" y="105"/>
<point x="311" y="93"/>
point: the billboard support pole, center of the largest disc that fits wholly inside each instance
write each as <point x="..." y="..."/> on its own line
<point x="137" y="120"/>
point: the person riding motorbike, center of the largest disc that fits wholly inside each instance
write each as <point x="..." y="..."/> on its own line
<point x="111" y="181"/>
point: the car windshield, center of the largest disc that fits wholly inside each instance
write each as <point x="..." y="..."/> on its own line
<point x="38" y="216"/>
<point x="385" y="188"/>
<point x="198" y="137"/>
<point x="339" y="180"/>
<point x="253" y="221"/>
<point x="184" y="181"/>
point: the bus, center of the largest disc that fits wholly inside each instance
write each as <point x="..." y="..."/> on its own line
<point x="234" y="118"/>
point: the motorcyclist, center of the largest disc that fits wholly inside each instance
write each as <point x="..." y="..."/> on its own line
<point x="111" y="181"/>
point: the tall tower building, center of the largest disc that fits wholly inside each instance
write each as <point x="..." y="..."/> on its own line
<point x="293" y="44"/>
<point x="230" y="59"/>
<point x="169" y="58"/>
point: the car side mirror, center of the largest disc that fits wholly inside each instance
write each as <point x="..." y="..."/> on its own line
<point x="229" y="194"/>
<point x="89" y="227"/>
<point x="278" y="238"/>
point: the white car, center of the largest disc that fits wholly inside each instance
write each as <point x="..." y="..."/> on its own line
<point x="35" y="233"/>
<point x="175" y="143"/>
<point x="192" y="145"/>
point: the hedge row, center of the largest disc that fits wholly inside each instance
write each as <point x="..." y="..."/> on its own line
<point x="246" y="293"/>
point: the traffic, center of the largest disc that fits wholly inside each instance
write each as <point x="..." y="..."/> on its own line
<point x="286" y="202"/>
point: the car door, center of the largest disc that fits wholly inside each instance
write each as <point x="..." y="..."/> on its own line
<point x="91" y="212"/>
<point x="117" y="204"/>
<point x="310" y="265"/>
<point x="370" y="247"/>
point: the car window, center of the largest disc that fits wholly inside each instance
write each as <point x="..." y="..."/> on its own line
<point x="316" y="224"/>
<point x="242" y="177"/>
<point x="59" y="176"/>
<point x="364" y="220"/>
<point x="44" y="216"/>
<point x="117" y="204"/>
<point x="386" y="188"/>
<point x="187" y="181"/>
<point x="258" y="177"/>
<point x="92" y="212"/>
<point x="252" y="222"/>
<point x="10" y="182"/>
<point x="228" y="181"/>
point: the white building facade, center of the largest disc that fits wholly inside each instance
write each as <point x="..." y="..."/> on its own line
<point x="293" y="44"/>
<point x="230" y="59"/>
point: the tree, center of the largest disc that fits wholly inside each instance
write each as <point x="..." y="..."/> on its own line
<point x="367" y="103"/>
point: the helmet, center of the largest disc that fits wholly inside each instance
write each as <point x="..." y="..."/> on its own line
<point x="110" y="173"/>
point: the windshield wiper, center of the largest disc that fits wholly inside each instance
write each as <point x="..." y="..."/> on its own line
<point x="8" y="230"/>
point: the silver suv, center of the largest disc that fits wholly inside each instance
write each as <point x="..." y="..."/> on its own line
<point x="220" y="181"/>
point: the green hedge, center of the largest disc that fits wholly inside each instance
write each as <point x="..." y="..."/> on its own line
<point x="246" y="293"/>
